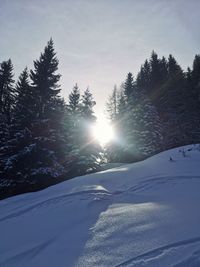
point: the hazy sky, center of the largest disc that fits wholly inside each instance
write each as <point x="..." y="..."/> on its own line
<point x="98" y="41"/>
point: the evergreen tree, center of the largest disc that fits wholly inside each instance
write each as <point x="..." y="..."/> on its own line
<point x="25" y="111"/>
<point x="6" y="90"/>
<point x="72" y="123"/>
<point x="74" y="101"/>
<point x="73" y="120"/>
<point x="87" y="104"/>
<point x="147" y="134"/>
<point x="143" y="77"/>
<point x="6" y="106"/>
<point x="112" y="104"/>
<point x="45" y="80"/>
<point x="192" y="99"/>
<point x="84" y="151"/>
<point x="164" y="70"/>
<point x="90" y="149"/>
<point x="171" y="105"/>
<point x="38" y="143"/>
<point x="155" y="77"/>
<point x="115" y="149"/>
<point x="129" y="86"/>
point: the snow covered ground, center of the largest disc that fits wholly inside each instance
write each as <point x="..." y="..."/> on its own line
<point x="142" y="214"/>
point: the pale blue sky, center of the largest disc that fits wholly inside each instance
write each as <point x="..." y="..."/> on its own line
<point x="98" y="41"/>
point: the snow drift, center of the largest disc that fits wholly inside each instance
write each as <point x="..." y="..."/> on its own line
<point x="142" y="214"/>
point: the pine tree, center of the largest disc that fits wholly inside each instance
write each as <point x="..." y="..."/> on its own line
<point x="73" y="119"/>
<point x="90" y="149"/>
<point x="6" y="106"/>
<point x="147" y="130"/>
<point x="74" y="101"/>
<point x="48" y="126"/>
<point x="6" y="90"/>
<point x="112" y="104"/>
<point x="143" y="77"/>
<point x="171" y="105"/>
<point x="72" y="123"/>
<point x="191" y="114"/>
<point x="24" y="111"/>
<point x="38" y="143"/>
<point x="192" y="98"/>
<point x="129" y="86"/>
<point x="115" y="149"/>
<point x="84" y="151"/>
<point x="45" y="80"/>
<point x="155" y="77"/>
<point x="87" y="104"/>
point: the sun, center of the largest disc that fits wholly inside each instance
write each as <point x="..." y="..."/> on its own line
<point x="102" y="131"/>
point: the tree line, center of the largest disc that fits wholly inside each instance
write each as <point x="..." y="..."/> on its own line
<point x="43" y="139"/>
<point x="158" y="110"/>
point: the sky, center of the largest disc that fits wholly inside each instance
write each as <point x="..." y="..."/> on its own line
<point x="98" y="41"/>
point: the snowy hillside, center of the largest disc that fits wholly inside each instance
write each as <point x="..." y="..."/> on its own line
<point x="142" y="214"/>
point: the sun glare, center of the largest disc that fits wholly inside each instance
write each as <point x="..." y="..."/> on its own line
<point x="102" y="131"/>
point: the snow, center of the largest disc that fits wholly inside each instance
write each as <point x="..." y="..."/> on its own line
<point x="141" y="214"/>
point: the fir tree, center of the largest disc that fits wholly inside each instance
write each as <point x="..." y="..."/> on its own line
<point x="155" y="77"/>
<point x="143" y="77"/>
<point x="171" y="105"/>
<point x="25" y="111"/>
<point x="112" y="104"/>
<point x="84" y="151"/>
<point x="38" y="143"/>
<point x="6" y="108"/>
<point x="147" y="129"/>
<point x="45" y="80"/>
<point x="6" y="90"/>
<point x="129" y="86"/>
<point x="90" y="149"/>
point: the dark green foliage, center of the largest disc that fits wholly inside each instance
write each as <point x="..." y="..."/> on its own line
<point x="84" y="151"/>
<point x="6" y="90"/>
<point x="43" y="140"/>
<point x="45" y="80"/>
<point x="158" y="111"/>
<point x="35" y="151"/>
<point x="25" y="110"/>
<point x="137" y="124"/>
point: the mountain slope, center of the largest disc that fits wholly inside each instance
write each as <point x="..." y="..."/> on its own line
<point x="142" y="214"/>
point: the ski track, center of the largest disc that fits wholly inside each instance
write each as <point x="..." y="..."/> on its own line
<point x="89" y="194"/>
<point x="150" y="183"/>
<point x="155" y="252"/>
<point x="52" y="201"/>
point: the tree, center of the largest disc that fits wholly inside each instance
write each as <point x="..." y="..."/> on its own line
<point x="128" y="86"/>
<point x="147" y="129"/>
<point x="84" y="151"/>
<point x="6" y="106"/>
<point x="90" y="149"/>
<point x="171" y="105"/>
<point x="117" y="107"/>
<point x="143" y="77"/>
<point x="45" y="80"/>
<point x="37" y="148"/>
<point x="155" y="77"/>
<point x="6" y="90"/>
<point x="24" y="111"/>
<point x="112" y="104"/>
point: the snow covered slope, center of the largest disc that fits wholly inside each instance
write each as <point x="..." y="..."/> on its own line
<point x="142" y="214"/>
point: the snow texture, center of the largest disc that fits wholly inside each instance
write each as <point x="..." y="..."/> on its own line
<point x="142" y="214"/>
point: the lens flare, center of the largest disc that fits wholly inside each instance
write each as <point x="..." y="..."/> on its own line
<point x="102" y="131"/>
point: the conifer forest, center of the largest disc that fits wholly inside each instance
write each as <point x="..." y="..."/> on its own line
<point x="45" y="139"/>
